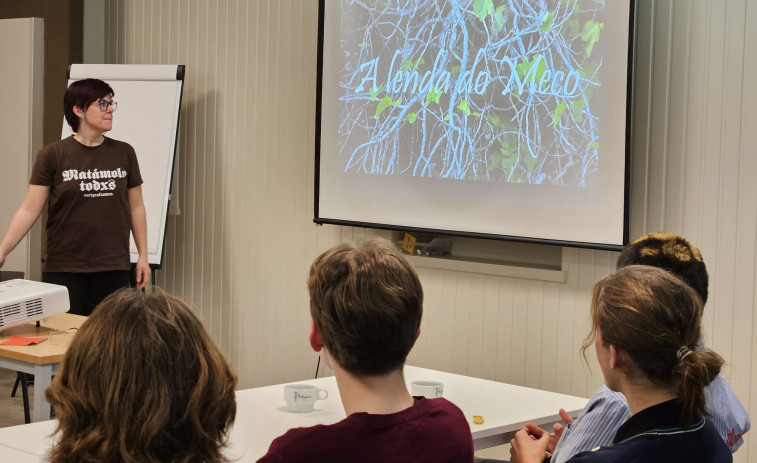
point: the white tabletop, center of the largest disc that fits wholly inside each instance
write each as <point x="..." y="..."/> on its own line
<point x="262" y="415"/>
<point x="12" y="455"/>
<point x="33" y="439"/>
<point x="505" y="408"/>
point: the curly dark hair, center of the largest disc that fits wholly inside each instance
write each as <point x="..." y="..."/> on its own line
<point x="670" y="252"/>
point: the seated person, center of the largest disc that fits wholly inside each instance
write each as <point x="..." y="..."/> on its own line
<point x="646" y="324"/>
<point x="366" y="305"/>
<point x="607" y="410"/>
<point x="142" y="382"/>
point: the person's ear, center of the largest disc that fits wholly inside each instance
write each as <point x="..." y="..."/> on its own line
<point x="316" y="341"/>
<point x="618" y="358"/>
<point x="78" y="111"/>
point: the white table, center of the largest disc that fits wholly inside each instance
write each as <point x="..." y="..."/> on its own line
<point x="13" y="455"/>
<point x="506" y="408"/>
<point x="262" y="415"/>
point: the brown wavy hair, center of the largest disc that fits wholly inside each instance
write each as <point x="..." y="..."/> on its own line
<point x="142" y="382"/>
<point x="367" y="302"/>
<point x="650" y="314"/>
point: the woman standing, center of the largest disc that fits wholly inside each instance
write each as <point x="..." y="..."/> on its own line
<point x="94" y="189"/>
<point x="645" y="329"/>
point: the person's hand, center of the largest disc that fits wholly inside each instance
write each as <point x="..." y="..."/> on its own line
<point x="554" y="437"/>
<point x="529" y="448"/>
<point x="567" y="419"/>
<point x="143" y="272"/>
<point x="557" y="429"/>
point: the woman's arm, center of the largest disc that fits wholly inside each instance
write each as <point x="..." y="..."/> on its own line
<point x="139" y="230"/>
<point x="24" y="218"/>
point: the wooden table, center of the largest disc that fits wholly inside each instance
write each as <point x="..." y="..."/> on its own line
<point x="262" y="415"/>
<point x="41" y="360"/>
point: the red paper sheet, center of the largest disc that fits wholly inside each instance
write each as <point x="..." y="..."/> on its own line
<point x="22" y="341"/>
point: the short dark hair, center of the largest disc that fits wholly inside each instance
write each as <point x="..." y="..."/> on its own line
<point x="83" y="93"/>
<point x="367" y="302"/>
<point x="670" y="252"/>
<point x="142" y="381"/>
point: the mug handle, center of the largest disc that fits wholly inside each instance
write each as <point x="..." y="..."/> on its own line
<point x="325" y="392"/>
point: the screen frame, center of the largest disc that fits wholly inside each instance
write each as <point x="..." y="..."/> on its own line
<point x="317" y="219"/>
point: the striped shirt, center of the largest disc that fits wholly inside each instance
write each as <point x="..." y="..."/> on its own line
<point x="607" y="410"/>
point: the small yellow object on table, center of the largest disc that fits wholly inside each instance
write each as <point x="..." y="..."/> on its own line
<point x="478" y="419"/>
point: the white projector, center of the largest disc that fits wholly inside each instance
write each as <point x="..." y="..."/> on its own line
<point x="24" y="301"/>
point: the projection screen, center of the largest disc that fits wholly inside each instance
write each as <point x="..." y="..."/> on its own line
<point x="484" y="118"/>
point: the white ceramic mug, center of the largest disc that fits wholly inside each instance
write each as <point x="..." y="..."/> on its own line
<point x="300" y="398"/>
<point x="427" y="389"/>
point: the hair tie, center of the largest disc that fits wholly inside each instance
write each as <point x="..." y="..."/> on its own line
<point x="683" y="352"/>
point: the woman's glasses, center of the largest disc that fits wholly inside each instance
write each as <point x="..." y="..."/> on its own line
<point x="61" y="336"/>
<point x="103" y="104"/>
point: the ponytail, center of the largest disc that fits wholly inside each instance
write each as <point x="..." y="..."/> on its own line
<point x="695" y="370"/>
<point x="649" y="314"/>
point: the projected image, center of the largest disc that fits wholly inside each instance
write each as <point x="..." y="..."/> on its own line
<point x="491" y="90"/>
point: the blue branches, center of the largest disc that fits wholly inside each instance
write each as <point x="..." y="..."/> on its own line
<point x="430" y="89"/>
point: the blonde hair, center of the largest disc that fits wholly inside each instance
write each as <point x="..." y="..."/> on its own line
<point x="650" y="314"/>
<point x="142" y="382"/>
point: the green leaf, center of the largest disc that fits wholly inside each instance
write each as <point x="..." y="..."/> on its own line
<point x="574" y="24"/>
<point x="494" y="120"/>
<point x="508" y="157"/>
<point x="446" y="118"/>
<point x="558" y="112"/>
<point x="590" y="34"/>
<point x="507" y="162"/>
<point x="385" y="103"/>
<point x="410" y="118"/>
<point x="411" y="65"/>
<point x="432" y="95"/>
<point x="530" y="162"/>
<point x="594" y="145"/>
<point x="364" y="45"/>
<point x="547" y="21"/>
<point x="463" y="106"/>
<point x="524" y="67"/>
<point x="499" y="18"/>
<point x="374" y="92"/>
<point x="476" y="114"/>
<point x="454" y="70"/>
<point x="493" y="160"/>
<point x="577" y="109"/>
<point x="482" y="8"/>
<point x="588" y="70"/>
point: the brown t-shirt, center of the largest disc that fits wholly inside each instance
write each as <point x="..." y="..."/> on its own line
<point x="89" y="218"/>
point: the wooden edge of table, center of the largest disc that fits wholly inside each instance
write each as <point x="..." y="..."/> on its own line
<point x="45" y="352"/>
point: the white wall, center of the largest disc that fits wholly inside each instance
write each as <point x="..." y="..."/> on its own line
<point x="21" y="130"/>
<point x="242" y="246"/>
